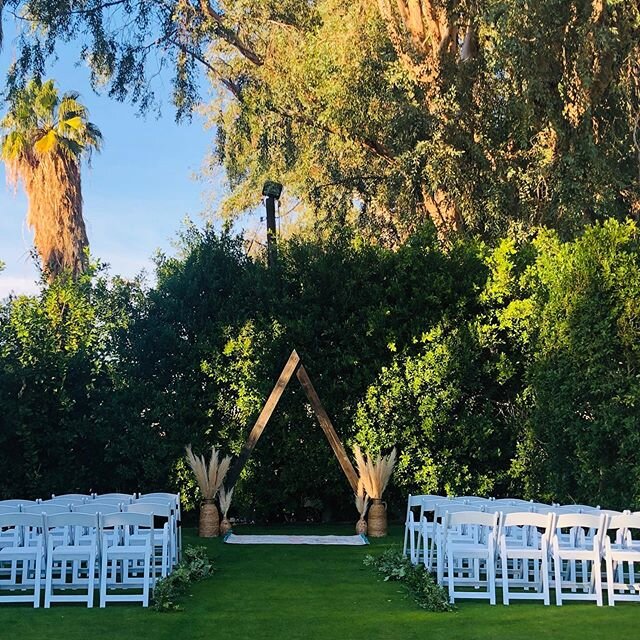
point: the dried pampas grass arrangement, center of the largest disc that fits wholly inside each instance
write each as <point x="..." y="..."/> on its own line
<point x="225" y="502"/>
<point x="209" y="478"/>
<point x="375" y="474"/>
<point x="362" y="502"/>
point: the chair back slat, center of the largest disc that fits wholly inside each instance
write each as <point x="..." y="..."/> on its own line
<point x="49" y="509"/>
<point x="163" y="510"/>
<point x="478" y="518"/>
<point x="96" y="508"/>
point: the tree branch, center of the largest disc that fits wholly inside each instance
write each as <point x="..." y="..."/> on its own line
<point x="228" y="34"/>
<point x="372" y="145"/>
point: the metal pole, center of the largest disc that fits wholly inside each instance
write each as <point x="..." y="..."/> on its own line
<point x="272" y="251"/>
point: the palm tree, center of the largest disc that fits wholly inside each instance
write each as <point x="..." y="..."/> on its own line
<point x="44" y="137"/>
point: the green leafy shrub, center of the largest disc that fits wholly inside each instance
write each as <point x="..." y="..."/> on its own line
<point x="417" y="581"/>
<point x="169" y="591"/>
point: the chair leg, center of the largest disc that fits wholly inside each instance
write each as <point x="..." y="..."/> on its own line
<point x="147" y="572"/>
<point x="597" y="570"/>
<point x="440" y="564"/>
<point x="557" y="570"/>
<point x="545" y="578"/>
<point x="491" y="578"/>
<point x="91" y="572"/>
<point x="37" y="581"/>
<point x="48" y="585"/>
<point x="611" y="599"/>
<point x="103" y="579"/>
<point x="505" y="579"/>
<point x="450" y="572"/>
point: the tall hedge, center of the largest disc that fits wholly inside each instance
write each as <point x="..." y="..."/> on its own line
<point x="505" y="370"/>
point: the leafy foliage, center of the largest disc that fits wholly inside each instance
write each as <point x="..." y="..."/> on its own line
<point x="511" y="369"/>
<point x="531" y="394"/>
<point x="194" y="567"/>
<point x="483" y="115"/>
<point x="417" y="581"/>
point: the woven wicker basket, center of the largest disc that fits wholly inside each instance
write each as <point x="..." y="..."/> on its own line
<point x="377" y="519"/>
<point x="361" y="526"/>
<point x="209" y="520"/>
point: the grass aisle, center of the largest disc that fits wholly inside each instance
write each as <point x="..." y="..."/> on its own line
<point x="312" y="593"/>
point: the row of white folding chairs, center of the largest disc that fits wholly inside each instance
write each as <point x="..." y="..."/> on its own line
<point x="419" y="506"/>
<point x="70" y="551"/>
<point x="428" y="530"/>
<point x="166" y="538"/>
<point x="108" y="503"/>
<point x="470" y="543"/>
<point x="79" y="498"/>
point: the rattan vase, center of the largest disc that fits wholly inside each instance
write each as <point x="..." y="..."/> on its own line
<point x="377" y="519"/>
<point x="225" y="527"/>
<point x="361" y="526"/>
<point x="209" y="526"/>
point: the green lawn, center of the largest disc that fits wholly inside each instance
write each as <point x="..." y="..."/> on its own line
<point x="290" y="592"/>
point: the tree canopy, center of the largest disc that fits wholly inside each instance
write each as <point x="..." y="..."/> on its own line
<point x="484" y="115"/>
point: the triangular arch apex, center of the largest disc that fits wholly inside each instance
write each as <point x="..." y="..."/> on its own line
<point x="294" y="366"/>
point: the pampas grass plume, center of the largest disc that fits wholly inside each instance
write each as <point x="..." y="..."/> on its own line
<point x="208" y="476"/>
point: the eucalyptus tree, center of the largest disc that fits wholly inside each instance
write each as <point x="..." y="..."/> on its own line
<point x="483" y="115"/>
<point x="44" y="137"/>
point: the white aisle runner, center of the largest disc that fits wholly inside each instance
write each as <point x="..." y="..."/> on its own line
<point x="232" y="538"/>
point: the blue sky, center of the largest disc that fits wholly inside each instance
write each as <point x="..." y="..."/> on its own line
<point x="136" y="193"/>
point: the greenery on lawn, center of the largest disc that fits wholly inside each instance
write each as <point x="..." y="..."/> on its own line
<point x="194" y="566"/>
<point x="418" y="582"/>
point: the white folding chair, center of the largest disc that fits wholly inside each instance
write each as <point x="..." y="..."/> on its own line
<point x="64" y="502"/>
<point x="124" y="498"/>
<point x="622" y="583"/>
<point x="93" y="507"/>
<point x="67" y="557"/>
<point x="414" y="529"/>
<point x="438" y="539"/>
<point x="174" y="498"/>
<point x="126" y="560"/>
<point x="573" y="543"/>
<point x="477" y="548"/>
<point x="530" y="546"/>
<point x="163" y="538"/>
<point x="16" y="502"/>
<point x="47" y="509"/>
<point x="69" y="498"/>
<point x="541" y="507"/>
<point x="9" y="509"/>
<point x="23" y="557"/>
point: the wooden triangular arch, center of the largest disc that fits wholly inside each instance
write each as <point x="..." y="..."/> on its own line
<point x="294" y="365"/>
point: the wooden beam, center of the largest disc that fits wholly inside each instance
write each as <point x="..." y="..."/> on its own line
<point x="328" y="429"/>
<point x="263" y="418"/>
